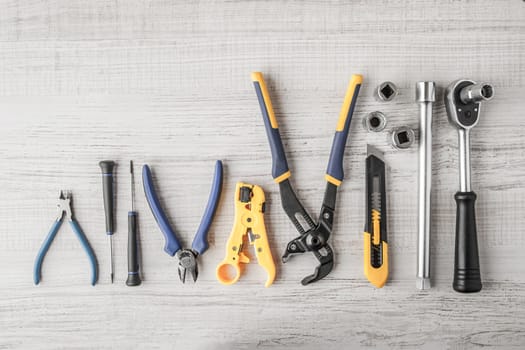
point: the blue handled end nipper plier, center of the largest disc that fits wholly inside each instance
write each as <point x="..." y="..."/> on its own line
<point x="187" y="257"/>
<point x="64" y="206"/>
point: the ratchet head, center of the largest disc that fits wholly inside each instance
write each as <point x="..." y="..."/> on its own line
<point x="463" y="101"/>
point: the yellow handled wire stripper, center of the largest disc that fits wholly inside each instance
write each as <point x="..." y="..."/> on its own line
<point x="375" y="241"/>
<point x="249" y="221"/>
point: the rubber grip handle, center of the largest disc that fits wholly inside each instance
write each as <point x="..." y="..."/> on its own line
<point x="87" y="248"/>
<point x="172" y="244"/>
<point x="200" y="242"/>
<point x="107" y="184"/>
<point x="280" y="170"/>
<point x="37" y="269"/>
<point x="133" y="261"/>
<point x="467" y="277"/>
<point x="334" y="171"/>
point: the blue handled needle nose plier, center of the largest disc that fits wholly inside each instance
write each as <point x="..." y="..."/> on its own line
<point x="187" y="257"/>
<point x="64" y="206"/>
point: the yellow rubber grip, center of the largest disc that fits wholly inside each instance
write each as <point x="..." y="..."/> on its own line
<point x="376" y="276"/>
<point x="258" y="77"/>
<point x="333" y="180"/>
<point x="356" y="80"/>
<point x="283" y="177"/>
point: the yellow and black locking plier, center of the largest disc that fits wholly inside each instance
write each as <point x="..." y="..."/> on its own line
<point x="312" y="237"/>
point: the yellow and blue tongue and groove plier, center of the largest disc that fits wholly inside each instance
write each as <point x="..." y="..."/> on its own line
<point x="64" y="207"/>
<point x="312" y="237"/>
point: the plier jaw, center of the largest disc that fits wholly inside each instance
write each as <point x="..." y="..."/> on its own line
<point x="64" y="205"/>
<point x="313" y="238"/>
<point x="325" y="256"/>
<point x="310" y="241"/>
<point x="187" y="263"/>
<point x="323" y="253"/>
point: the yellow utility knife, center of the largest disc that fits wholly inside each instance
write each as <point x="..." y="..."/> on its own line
<point x="375" y="241"/>
<point x="249" y="221"/>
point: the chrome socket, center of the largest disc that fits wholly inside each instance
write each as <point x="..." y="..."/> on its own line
<point x="402" y="137"/>
<point x="476" y="93"/>
<point x="386" y="91"/>
<point x="374" y="121"/>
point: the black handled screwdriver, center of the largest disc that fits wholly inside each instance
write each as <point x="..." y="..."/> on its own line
<point x="133" y="261"/>
<point x="107" y="182"/>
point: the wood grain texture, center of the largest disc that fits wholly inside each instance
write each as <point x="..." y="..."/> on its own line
<point x="168" y="83"/>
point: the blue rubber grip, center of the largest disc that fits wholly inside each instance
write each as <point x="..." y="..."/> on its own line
<point x="87" y="248"/>
<point x="171" y="245"/>
<point x="335" y="163"/>
<point x="200" y="242"/>
<point x="279" y="163"/>
<point x="37" y="270"/>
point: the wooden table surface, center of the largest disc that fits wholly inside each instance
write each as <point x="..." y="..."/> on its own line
<point x="168" y="84"/>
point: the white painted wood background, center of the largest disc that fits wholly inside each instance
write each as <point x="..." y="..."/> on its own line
<point x="168" y="84"/>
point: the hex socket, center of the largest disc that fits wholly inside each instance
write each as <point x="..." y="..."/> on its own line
<point x="402" y="137"/>
<point x="386" y="91"/>
<point x="476" y="93"/>
<point x="374" y="121"/>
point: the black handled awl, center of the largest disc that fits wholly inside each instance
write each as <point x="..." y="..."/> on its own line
<point x="107" y="182"/>
<point x="133" y="259"/>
